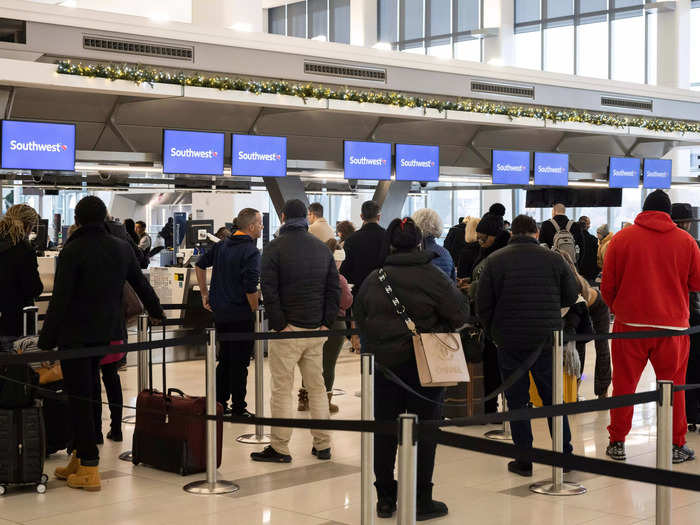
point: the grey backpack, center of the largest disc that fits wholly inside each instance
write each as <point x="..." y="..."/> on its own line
<point x="564" y="241"/>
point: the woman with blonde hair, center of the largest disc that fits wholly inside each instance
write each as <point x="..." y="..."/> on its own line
<point x="465" y="261"/>
<point x="19" y="270"/>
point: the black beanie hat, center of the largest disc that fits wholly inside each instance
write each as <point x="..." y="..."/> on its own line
<point x="498" y="209"/>
<point x="681" y="212"/>
<point x="657" y="201"/>
<point x="490" y="224"/>
<point x="294" y="209"/>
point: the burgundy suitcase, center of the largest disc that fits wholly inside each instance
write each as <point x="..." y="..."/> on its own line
<point x="170" y="432"/>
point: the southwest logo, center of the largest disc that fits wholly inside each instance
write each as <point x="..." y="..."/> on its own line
<point x="190" y="153"/>
<point x="414" y="163"/>
<point x="36" y="146"/>
<point x="271" y="157"/>
<point x="366" y="161"/>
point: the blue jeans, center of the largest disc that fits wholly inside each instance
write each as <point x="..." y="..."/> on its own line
<point x="518" y="395"/>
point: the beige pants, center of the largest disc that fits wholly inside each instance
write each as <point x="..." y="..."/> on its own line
<point x="284" y="356"/>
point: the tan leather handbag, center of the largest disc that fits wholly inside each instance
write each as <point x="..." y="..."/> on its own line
<point x="439" y="357"/>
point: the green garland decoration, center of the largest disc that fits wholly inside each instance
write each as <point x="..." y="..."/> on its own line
<point x="141" y="75"/>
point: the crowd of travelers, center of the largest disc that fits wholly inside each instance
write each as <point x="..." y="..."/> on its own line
<point x="516" y="282"/>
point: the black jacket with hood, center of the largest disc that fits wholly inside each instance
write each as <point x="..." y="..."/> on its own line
<point x="454" y="240"/>
<point x="86" y="306"/>
<point x="299" y="280"/>
<point x="430" y="298"/>
<point x="19" y="284"/>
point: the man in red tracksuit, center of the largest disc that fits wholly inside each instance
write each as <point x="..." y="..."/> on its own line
<point x="649" y="270"/>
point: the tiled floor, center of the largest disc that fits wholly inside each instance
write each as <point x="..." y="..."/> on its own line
<point x="476" y="487"/>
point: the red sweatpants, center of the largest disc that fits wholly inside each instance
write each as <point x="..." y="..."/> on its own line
<point x="668" y="356"/>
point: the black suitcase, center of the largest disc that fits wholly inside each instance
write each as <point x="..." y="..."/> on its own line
<point x="22" y="448"/>
<point x="57" y="420"/>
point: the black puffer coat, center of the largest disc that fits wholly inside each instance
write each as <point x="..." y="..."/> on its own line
<point x="430" y="298"/>
<point x="454" y="240"/>
<point x="522" y="289"/>
<point x="299" y="280"/>
<point x="19" y="284"/>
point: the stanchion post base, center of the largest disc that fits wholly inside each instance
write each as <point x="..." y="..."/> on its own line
<point x="499" y="435"/>
<point x="205" y="488"/>
<point x="567" y="488"/>
<point x="129" y="420"/>
<point x="338" y="392"/>
<point x="126" y="456"/>
<point x="252" y="439"/>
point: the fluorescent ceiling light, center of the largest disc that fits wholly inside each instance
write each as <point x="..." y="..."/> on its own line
<point x="585" y="184"/>
<point x="159" y="18"/>
<point x="495" y="62"/>
<point x="242" y="26"/>
<point x="458" y="179"/>
<point x="320" y="38"/>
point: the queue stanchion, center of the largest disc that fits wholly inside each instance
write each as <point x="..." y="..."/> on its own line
<point x="557" y="486"/>
<point x="408" y="459"/>
<point x="211" y="485"/>
<point x="142" y="377"/>
<point x="664" y="449"/>
<point x="259" y="438"/>
<point x="367" y="443"/>
<point x="503" y="433"/>
<point x="30" y="319"/>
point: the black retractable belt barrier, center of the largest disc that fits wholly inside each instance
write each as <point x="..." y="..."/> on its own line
<point x="651" y="334"/>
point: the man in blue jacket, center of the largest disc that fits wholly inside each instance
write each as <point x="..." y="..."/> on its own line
<point x="233" y="300"/>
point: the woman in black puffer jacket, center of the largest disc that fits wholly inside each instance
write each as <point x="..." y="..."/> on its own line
<point x="435" y="305"/>
<point x="19" y="274"/>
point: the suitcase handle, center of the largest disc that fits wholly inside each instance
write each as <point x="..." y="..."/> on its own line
<point x="177" y="391"/>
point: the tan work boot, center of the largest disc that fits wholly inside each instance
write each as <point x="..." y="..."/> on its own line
<point x="331" y="407"/>
<point x="87" y="478"/>
<point x="303" y="400"/>
<point x="71" y="468"/>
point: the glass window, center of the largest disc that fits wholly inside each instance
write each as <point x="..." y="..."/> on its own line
<point x="296" y="19"/>
<point x="340" y="21"/>
<point x="411" y="19"/>
<point x="468" y="48"/>
<point x="386" y="21"/>
<point x="695" y="45"/>
<point x="618" y="4"/>
<point x="598" y="217"/>
<point x="527" y="11"/>
<point x="466" y="15"/>
<point x="627" y="47"/>
<point x="559" y="48"/>
<point x="631" y="206"/>
<point x="592" y="6"/>
<point x="440" y="17"/>
<point x="652" y="41"/>
<point x="592" y="47"/>
<point x="440" y="47"/>
<point x="441" y="202"/>
<point x="411" y="204"/>
<point x="318" y="18"/>
<point x="467" y="203"/>
<point x="560" y="8"/>
<point x="276" y="20"/>
<point x="527" y="50"/>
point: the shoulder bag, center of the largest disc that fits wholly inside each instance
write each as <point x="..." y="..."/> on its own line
<point x="439" y="357"/>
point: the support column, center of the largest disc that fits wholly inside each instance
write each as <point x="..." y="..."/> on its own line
<point x="282" y="189"/>
<point x="673" y="46"/>
<point x="363" y="23"/>
<point x="498" y="50"/>
<point x="391" y="195"/>
<point x="240" y="15"/>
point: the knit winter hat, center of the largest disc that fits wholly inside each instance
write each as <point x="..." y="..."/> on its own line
<point x="603" y="230"/>
<point x="490" y="224"/>
<point x="498" y="209"/>
<point x="657" y="201"/>
<point x="681" y="212"/>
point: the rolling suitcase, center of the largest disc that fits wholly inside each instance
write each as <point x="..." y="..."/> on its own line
<point x="22" y="448"/>
<point x="170" y="430"/>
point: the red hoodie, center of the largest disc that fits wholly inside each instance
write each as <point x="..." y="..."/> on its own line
<point x="649" y="269"/>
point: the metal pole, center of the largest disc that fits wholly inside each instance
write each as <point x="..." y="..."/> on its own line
<point x="141" y="375"/>
<point x="664" y="449"/>
<point x="557" y="486"/>
<point x="30" y="326"/>
<point x="211" y="485"/>
<point x="503" y="433"/>
<point x="259" y="438"/>
<point x="367" y="446"/>
<point x="408" y="458"/>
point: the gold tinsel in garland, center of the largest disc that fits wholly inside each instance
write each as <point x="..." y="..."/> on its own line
<point x="142" y="75"/>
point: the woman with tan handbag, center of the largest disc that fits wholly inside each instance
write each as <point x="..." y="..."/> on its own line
<point x="434" y="304"/>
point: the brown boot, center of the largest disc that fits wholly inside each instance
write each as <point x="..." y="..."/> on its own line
<point x="87" y="478"/>
<point x="303" y="400"/>
<point x="71" y="468"/>
<point x="331" y="407"/>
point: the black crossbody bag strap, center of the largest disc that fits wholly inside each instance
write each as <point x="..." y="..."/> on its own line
<point x="398" y="307"/>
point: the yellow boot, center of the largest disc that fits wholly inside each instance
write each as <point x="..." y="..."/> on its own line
<point x="71" y="468"/>
<point x="87" y="478"/>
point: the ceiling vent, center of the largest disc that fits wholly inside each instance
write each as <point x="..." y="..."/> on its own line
<point x="345" y="71"/>
<point x="137" y="48"/>
<point x="627" y="103"/>
<point x="508" y="90"/>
